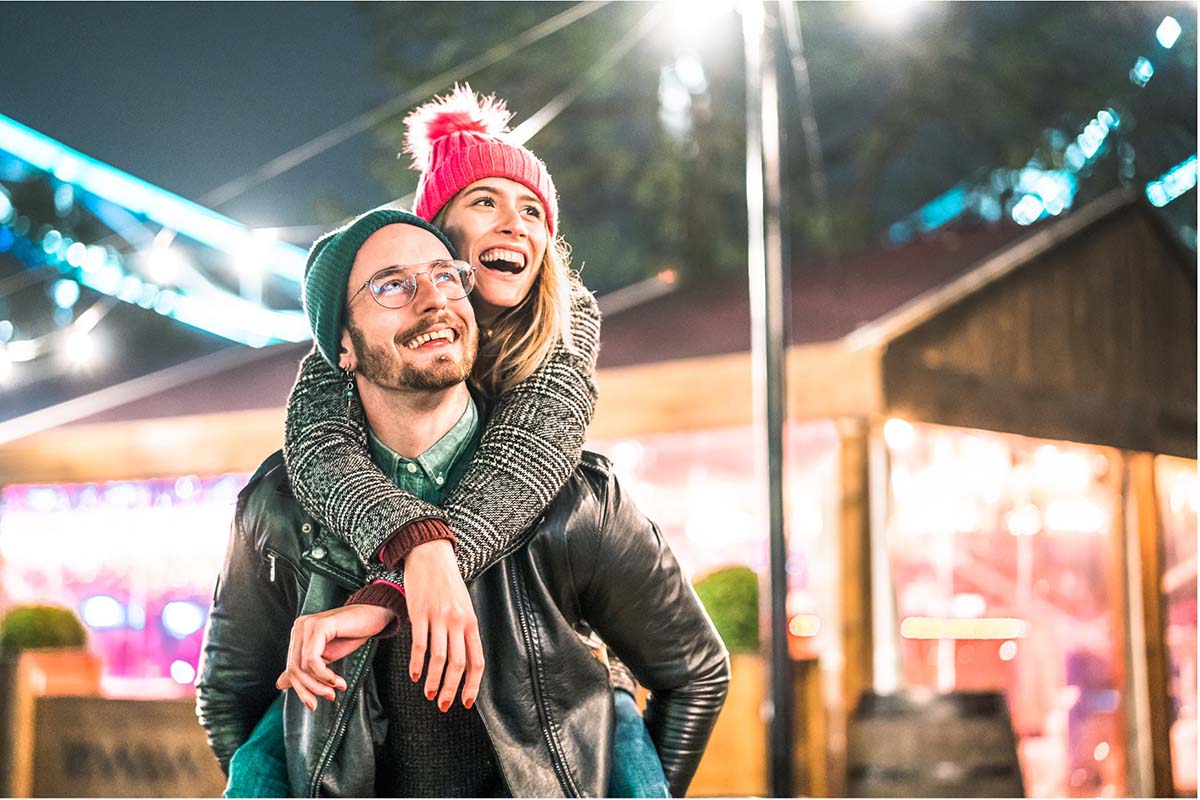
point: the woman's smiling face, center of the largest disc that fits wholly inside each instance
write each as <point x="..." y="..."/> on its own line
<point x="499" y="227"/>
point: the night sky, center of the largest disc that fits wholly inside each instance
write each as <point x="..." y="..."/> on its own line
<point x="189" y="96"/>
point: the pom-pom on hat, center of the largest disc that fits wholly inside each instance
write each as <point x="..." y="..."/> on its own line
<point x="327" y="271"/>
<point x="459" y="138"/>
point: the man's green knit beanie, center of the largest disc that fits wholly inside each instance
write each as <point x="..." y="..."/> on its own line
<point x="328" y="269"/>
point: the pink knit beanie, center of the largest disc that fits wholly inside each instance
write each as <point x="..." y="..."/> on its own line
<point x="456" y="139"/>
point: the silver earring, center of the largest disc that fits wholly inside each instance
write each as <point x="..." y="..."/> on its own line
<point x="349" y="373"/>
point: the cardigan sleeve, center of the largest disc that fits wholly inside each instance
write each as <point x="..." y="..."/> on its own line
<point x="330" y="468"/>
<point x="530" y="446"/>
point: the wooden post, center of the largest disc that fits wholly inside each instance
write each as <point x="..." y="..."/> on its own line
<point x="812" y="739"/>
<point x="855" y="564"/>
<point x="1141" y="484"/>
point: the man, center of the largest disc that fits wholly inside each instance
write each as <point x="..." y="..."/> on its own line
<point x="542" y="723"/>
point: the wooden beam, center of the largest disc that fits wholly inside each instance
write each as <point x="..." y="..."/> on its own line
<point x="824" y="381"/>
<point x="683" y="395"/>
<point x="1149" y="535"/>
<point x="204" y="444"/>
<point x="854" y="528"/>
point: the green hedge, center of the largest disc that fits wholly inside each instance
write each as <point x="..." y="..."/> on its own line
<point x="731" y="597"/>
<point x="33" y="626"/>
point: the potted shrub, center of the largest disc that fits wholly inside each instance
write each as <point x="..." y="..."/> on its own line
<point x="49" y="646"/>
<point x="43" y="651"/>
<point x="735" y="762"/>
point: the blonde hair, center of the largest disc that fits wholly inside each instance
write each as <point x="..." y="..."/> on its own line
<point x="520" y="338"/>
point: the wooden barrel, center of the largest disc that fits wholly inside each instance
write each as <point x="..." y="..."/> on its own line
<point x="951" y="745"/>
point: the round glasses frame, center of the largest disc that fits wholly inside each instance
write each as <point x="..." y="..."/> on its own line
<point x="405" y="290"/>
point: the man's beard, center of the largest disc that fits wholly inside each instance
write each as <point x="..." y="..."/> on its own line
<point x="383" y="367"/>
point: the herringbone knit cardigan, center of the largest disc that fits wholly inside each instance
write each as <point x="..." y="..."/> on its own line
<point x="530" y="446"/>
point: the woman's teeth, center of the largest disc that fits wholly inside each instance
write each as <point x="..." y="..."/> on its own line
<point x="448" y="334"/>
<point x="507" y="260"/>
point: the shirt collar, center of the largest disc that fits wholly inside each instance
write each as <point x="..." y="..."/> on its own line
<point x="435" y="463"/>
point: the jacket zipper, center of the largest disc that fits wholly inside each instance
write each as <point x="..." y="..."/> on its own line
<point x="342" y="721"/>
<point x="557" y="756"/>
<point x="274" y="556"/>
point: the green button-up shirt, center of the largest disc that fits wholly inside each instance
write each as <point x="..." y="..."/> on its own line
<point x="431" y="475"/>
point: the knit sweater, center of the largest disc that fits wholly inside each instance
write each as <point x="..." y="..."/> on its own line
<point x="531" y="445"/>
<point x="428" y="752"/>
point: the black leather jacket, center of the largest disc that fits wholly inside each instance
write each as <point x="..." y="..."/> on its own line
<point x="545" y="700"/>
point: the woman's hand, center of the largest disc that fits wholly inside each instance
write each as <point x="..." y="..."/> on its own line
<point x="319" y="639"/>
<point x="443" y="624"/>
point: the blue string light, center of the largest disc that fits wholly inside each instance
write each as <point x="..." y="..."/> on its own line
<point x="104" y="271"/>
<point x="1177" y="181"/>
<point x="1168" y="32"/>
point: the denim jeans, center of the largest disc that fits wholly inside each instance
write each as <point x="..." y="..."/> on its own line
<point x="259" y="767"/>
<point x="636" y="769"/>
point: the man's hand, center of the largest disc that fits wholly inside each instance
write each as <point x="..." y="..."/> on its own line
<point x="443" y="624"/>
<point x="318" y="639"/>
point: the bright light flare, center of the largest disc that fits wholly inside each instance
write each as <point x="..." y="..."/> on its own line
<point x="182" y="618"/>
<point x="102" y="612"/>
<point x="1168" y="32"/>
<point x="1142" y="71"/>
<point x="183" y="672"/>
<point x="899" y="434"/>
<point x="81" y="348"/>
<point x="892" y="14"/>
<point x="165" y="265"/>
<point x="693" y="21"/>
<point x="952" y="628"/>
<point x="66" y="293"/>
<point x="804" y="625"/>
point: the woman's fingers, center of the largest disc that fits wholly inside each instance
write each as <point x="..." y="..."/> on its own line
<point x="420" y="632"/>
<point x="474" y="665"/>
<point x="437" y="659"/>
<point x="456" y="663"/>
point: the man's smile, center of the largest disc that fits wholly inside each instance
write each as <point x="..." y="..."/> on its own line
<point x="430" y="339"/>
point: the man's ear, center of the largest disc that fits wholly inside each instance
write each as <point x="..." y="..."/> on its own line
<point x="346" y="358"/>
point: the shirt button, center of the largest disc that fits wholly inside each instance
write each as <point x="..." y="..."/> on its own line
<point x="439" y="480"/>
<point x="412" y="467"/>
<point x="318" y="552"/>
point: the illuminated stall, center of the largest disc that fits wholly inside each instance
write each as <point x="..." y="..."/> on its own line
<point x="991" y="484"/>
<point x="975" y="500"/>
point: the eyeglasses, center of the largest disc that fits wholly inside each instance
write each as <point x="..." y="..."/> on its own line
<point x="396" y="286"/>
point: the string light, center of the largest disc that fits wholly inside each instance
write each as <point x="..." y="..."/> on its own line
<point x="1176" y="181"/>
<point x="1142" y="72"/>
<point x="218" y="312"/>
<point x="143" y="199"/>
<point x="204" y="306"/>
<point x="1168" y="32"/>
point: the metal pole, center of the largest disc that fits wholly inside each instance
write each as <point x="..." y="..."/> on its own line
<point x="765" y="257"/>
<point x="790" y="17"/>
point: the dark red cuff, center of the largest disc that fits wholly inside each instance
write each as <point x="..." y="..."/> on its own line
<point x="417" y="532"/>
<point x="388" y="595"/>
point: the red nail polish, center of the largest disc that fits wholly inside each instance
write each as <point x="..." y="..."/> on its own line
<point x="430" y="695"/>
<point x="445" y="707"/>
<point x="468" y="703"/>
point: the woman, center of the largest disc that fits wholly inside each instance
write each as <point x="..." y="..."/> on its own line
<point x="539" y="332"/>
